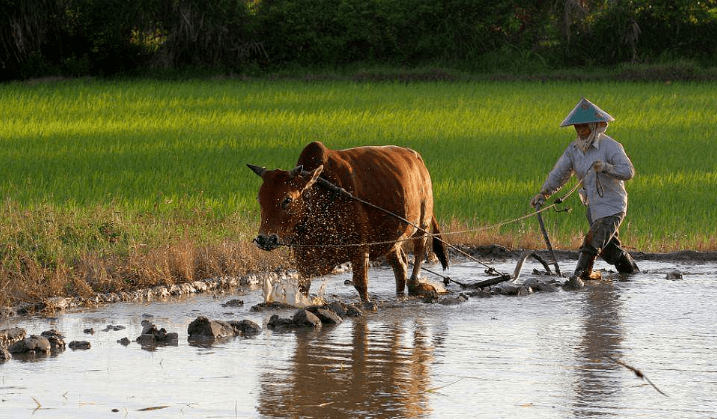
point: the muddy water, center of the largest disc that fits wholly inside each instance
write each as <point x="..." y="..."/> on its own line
<point x="546" y="355"/>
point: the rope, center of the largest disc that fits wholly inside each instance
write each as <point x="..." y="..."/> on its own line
<point x="325" y="183"/>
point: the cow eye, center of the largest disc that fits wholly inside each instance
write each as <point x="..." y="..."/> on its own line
<point x="286" y="202"/>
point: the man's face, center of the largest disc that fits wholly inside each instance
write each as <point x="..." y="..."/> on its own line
<point x="583" y="130"/>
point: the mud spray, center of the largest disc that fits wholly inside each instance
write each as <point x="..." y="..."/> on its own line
<point x="286" y="290"/>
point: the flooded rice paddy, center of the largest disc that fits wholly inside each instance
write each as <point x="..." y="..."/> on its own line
<point x="545" y="355"/>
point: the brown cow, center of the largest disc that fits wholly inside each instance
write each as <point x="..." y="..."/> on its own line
<point x="326" y="227"/>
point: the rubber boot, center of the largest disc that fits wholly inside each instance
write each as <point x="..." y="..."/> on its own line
<point x="584" y="268"/>
<point x="626" y="264"/>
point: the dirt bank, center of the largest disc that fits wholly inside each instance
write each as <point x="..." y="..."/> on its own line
<point x="483" y="253"/>
<point x="495" y="251"/>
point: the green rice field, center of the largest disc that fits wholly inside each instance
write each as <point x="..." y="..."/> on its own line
<point x="102" y="167"/>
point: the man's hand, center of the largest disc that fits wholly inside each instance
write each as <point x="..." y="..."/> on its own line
<point x="538" y="199"/>
<point x="599" y="166"/>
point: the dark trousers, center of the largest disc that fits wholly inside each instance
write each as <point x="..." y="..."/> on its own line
<point x="602" y="238"/>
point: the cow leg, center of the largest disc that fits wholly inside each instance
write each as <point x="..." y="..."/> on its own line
<point x="419" y="253"/>
<point x="415" y="286"/>
<point x="398" y="261"/>
<point x="359" y="266"/>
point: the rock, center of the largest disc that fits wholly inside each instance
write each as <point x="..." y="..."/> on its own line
<point x="672" y="275"/>
<point x="56" y="339"/>
<point x="10" y="336"/>
<point x="325" y="315"/>
<point x="338" y="307"/>
<point x="203" y="328"/>
<point x="32" y="344"/>
<point x="30" y="308"/>
<point x="152" y="336"/>
<point x="480" y="293"/>
<point x="274" y="305"/>
<point x="89" y="331"/>
<point x="305" y="318"/>
<point x="573" y="284"/>
<point x="449" y="301"/>
<point x="124" y="341"/>
<point x="353" y="311"/>
<point x="246" y="327"/>
<point x="6" y="312"/>
<point x="302" y="318"/>
<point x="505" y="288"/>
<point x="278" y="322"/>
<point x="57" y="303"/>
<point x="113" y="328"/>
<point x="541" y="284"/>
<point x="345" y="310"/>
<point x="79" y="345"/>
<point x="233" y="303"/>
<point x="5" y="355"/>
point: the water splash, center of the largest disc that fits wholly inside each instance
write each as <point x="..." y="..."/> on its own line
<point x="286" y="290"/>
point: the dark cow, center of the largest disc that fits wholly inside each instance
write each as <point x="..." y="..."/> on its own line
<point x="326" y="226"/>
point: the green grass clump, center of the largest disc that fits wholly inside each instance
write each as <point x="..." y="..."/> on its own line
<point x="109" y="170"/>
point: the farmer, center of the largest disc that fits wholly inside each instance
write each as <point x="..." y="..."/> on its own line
<point x="602" y="166"/>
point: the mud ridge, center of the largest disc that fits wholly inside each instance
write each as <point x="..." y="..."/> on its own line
<point x="500" y="252"/>
<point x="163" y="292"/>
<point x="227" y="283"/>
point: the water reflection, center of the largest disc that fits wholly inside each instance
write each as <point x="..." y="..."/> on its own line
<point x="379" y="370"/>
<point x="540" y="356"/>
<point x="597" y="388"/>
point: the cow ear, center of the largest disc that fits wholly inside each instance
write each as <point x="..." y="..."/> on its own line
<point x="258" y="170"/>
<point x="314" y="176"/>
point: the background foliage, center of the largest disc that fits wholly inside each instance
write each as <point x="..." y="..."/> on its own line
<point x="108" y="37"/>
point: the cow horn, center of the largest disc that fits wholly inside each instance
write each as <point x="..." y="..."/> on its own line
<point x="258" y="170"/>
<point x="296" y="171"/>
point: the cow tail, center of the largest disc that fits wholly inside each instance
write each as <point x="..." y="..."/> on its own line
<point x="439" y="246"/>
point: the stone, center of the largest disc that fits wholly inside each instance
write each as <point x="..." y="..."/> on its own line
<point x="325" y="315"/>
<point x="305" y="318"/>
<point x="5" y="355"/>
<point x="10" y="336"/>
<point x="573" y="284"/>
<point x="233" y="303"/>
<point x="245" y="327"/>
<point x="672" y="275"/>
<point x="152" y="336"/>
<point x="56" y="339"/>
<point x="338" y="307"/>
<point x="278" y="322"/>
<point x="449" y="301"/>
<point x="32" y="344"/>
<point x="113" y="328"/>
<point x="541" y="284"/>
<point x="202" y="327"/>
<point x="353" y="311"/>
<point x="79" y="345"/>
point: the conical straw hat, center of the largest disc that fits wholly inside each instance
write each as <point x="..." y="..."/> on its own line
<point x="586" y="112"/>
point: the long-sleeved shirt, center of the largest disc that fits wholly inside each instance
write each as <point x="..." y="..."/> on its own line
<point x="606" y="197"/>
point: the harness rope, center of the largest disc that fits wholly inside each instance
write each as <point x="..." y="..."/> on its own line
<point x="334" y="188"/>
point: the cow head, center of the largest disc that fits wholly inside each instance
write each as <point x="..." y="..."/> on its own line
<point x="282" y="203"/>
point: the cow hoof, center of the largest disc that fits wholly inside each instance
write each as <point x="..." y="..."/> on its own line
<point x="422" y="289"/>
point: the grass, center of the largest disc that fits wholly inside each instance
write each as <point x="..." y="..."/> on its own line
<point x="109" y="185"/>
